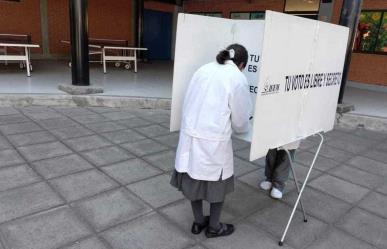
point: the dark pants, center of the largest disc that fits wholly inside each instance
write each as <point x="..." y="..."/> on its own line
<point x="278" y="167"/>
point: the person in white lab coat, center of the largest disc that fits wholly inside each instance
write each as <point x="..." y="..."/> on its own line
<point x="216" y="104"/>
<point x="277" y="169"/>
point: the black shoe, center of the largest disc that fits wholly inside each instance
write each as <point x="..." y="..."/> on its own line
<point x="197" y="228"/>
<point x="224" y="230"/>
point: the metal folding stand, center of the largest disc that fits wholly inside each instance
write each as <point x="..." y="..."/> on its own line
<point x="300" y="191"/>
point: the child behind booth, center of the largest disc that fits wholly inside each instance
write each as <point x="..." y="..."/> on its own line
<point x="277" y="169"/>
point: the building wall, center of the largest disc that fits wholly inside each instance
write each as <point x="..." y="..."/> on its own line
<point x="227" y="6"/>
<point x="107" y="19"/>
<point x="366" y="68"/>
<point x="21" y="18"/>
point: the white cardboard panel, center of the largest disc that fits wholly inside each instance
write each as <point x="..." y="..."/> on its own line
<point x="199" y="39"/>
<point x="296" y="46"/>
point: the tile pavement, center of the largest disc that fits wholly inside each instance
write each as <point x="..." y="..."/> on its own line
<point x="98" y="178"/>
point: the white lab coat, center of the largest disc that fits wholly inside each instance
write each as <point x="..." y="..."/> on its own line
<point x="217" y="101"/>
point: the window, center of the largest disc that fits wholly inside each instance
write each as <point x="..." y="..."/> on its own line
<point x="302" y="5"/>
<point x="247" y="15"/>
<point x="371" y="36"/>
<point x="213" y="14"/>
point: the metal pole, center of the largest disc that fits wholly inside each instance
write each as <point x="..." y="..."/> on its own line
<point x="79" y="43"/>
<point x="349" y="17"/>
<point x="281" y="242"/>
<point x="139" y="24"/>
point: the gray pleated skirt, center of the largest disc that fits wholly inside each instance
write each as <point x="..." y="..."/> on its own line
<point x="194" y="190"/>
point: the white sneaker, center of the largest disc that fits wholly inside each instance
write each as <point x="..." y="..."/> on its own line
<point x="276" y="193"/>
<point x="266" y="185"/>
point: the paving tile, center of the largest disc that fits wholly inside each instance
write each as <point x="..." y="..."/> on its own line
<point x="87" y="119"/>
<point x="105" y="127"/>
<point x="370" y="134"/>
<point x="10" y="157"/>
<point x="51" y="229"/>
<point x="90" y="243"/>
<point x="13" y="119"/>
<point x="19" y="128"/>
<point x="238" y="144"/>
<point x="43" y="151"/>
<point x="171" y="140"/>
<point x="383" y="189"/>
<point x="253" y="178"/>
<point x="107" y="155"/>
<point x="333" y="153"/>
<point x="357" y="176"/>
<point x="307" y="144"/>
<point x="72" y="132"/>
<point x="375" y="203"/>
<point x="163" y="160"/>
<point x="4" y="144"/>
<point x="144" y="147"/>
<point x="153" y="130"/>
<point x="336" y="239"/>
<point x="350" y="146"/>
<point x="111" y="208"/>
<point x="369" y="165"/>
<point x="181" y="214"/>
<point x="245" y="155"/>
<point x="44" y="115"/>
<point x="61" y="166"/>
<point x="302" y="171"/>
<point x="366" y="226"/>
<point x="242" y="167"/>
<point x="87" y="143"/>
<point x="15" y="176"/>
<point x="306" y="158"/>
<point x="31" y="138"/>
<point x="33" y="108"/>
<point x="339" y="188"/>
<point x="118" y="115"/>
<point x="237" y="205"/>
<point x="159" y="233"/>
<point x="157" y="191"/>
<point x="319" y="205"/>
<point x="99" y="109"/>
<point x="299" y="235"/>
<point x="57" y="123"/>
<point x="26" y="200"/>
<point x="246" y="236"/>
<point x="380" y="156"/>
<point x="84" y="184"/>
<point x="157" y="118"/>
<point x="134" y="122"/>
<point x="123" y="136"/>
<point x="8" y="111"/>
<point x="73" y="111"/>
<point x="131" y="171"/>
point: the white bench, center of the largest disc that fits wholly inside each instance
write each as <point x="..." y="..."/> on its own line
<point x="22" y="57"/>
<point x="129" y="54"/>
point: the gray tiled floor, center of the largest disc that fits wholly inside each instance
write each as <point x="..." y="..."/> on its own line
<point x="98" y="178"/>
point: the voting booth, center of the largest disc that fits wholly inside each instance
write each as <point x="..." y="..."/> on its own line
<point x="294" y="73"/>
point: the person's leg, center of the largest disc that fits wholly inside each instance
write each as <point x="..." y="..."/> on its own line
<point x="269" y="169"/>
<point x="216" y="228"/>
<point x="197" y="209"/>
<point x="282" y="169"/>
<point x="215" y="212"/>
<point x="270" y="164"/>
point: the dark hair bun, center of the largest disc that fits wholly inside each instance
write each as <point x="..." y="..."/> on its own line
<point x="223" y="56"/>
